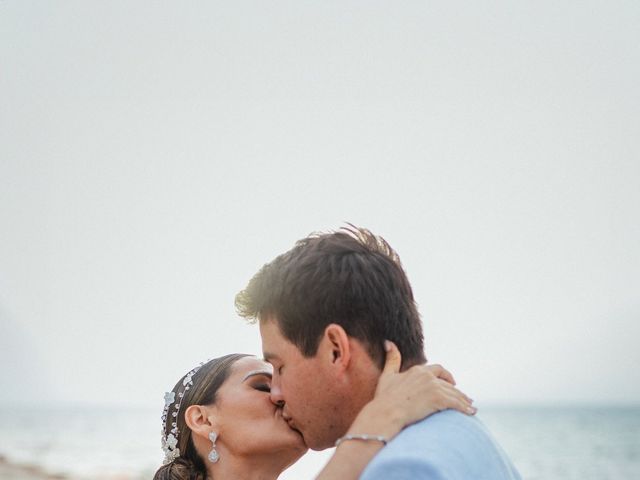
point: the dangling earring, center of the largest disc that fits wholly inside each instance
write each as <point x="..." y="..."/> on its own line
<point x="213" y="454"/>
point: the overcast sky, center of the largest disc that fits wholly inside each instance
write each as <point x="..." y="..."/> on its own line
<point x="155" y="154"/>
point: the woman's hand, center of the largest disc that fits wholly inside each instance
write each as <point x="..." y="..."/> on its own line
<point x="418" y="392"/>
<point x="400" y="399"/>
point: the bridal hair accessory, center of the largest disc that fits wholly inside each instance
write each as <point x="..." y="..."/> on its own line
<point x="365" y="437"/>
<point x="170" y="441"/>
<point x="214" y="456"/>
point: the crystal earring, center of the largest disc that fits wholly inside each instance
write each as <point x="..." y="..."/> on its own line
<point x="213" y="454"/>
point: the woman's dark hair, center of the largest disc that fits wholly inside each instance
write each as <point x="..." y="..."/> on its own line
<point x="350" y="277"/>
<point x="206" y="383"/>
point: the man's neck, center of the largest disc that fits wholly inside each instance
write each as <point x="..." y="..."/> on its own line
<point x="363" y="380"/>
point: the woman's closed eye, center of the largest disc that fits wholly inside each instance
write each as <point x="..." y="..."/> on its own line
<point x="263" y="387"/>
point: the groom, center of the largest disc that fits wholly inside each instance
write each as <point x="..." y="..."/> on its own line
<point x="325" y="308"/>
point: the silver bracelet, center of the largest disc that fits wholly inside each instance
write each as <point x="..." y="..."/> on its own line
<point x="364" y="437"/>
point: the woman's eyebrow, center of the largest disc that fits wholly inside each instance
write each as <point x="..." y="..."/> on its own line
<point x="253" y="373"/>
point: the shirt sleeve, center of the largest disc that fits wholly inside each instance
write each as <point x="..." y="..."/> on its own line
<point x="447" y="446"/>
<point x="400" y="468"/>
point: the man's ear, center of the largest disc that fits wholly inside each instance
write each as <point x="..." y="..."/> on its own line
<point x="201" y="420"/>
<point x="336" y="345"/>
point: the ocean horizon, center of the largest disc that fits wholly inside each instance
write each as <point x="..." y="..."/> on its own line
<point x="100" y="442"/>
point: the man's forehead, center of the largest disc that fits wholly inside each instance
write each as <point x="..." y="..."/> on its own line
<point x="275" y="346"/>
<point x="271" y="336"/>
<point x="270" y="329"/>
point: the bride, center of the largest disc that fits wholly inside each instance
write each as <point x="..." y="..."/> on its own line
<point x="219" y="421"/>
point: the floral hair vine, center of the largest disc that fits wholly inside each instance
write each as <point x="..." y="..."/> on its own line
<point x="170" y="440"/>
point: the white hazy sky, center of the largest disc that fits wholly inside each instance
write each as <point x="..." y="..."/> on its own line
<point x="153" y="155"/>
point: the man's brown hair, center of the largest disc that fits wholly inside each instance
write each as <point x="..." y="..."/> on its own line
<point x="350" y="277"/>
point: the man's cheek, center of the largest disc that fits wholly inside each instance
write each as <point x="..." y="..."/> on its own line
<point x="288" y="388"/>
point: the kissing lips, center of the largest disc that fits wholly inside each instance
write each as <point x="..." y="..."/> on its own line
<point x="285" y="417"/>
<point x="291" y="423"/>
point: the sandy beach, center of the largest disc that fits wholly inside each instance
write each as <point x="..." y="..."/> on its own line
<point x="14" y="471"/>
<point x="11" y="471"/>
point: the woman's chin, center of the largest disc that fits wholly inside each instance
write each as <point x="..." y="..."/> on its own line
<point x="300" y="445"/>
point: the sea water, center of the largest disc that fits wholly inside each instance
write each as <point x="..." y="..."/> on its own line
<point x="569" y="443"/>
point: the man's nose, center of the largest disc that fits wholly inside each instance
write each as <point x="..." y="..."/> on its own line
<point x="276" y="395"/>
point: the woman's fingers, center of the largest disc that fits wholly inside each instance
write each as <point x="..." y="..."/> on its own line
<point x="421" y="390"/>
<point x="456" y="403"/>
<point x="441" y="372"/>
<point x="393" y="359"/>
<point x="451" y="397"/>
<point x="457" y="392"/>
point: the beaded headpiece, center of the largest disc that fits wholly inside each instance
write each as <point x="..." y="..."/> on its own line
<point x="170" y="440"/>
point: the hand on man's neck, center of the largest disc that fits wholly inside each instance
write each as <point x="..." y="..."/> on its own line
<point x="363" y="374"/>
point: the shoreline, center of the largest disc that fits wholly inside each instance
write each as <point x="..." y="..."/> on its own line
<point x="15" y="471"/>
<point x="12" y="470"/>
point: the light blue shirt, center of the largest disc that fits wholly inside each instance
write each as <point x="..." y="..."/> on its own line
<point x="445" y="446"/>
